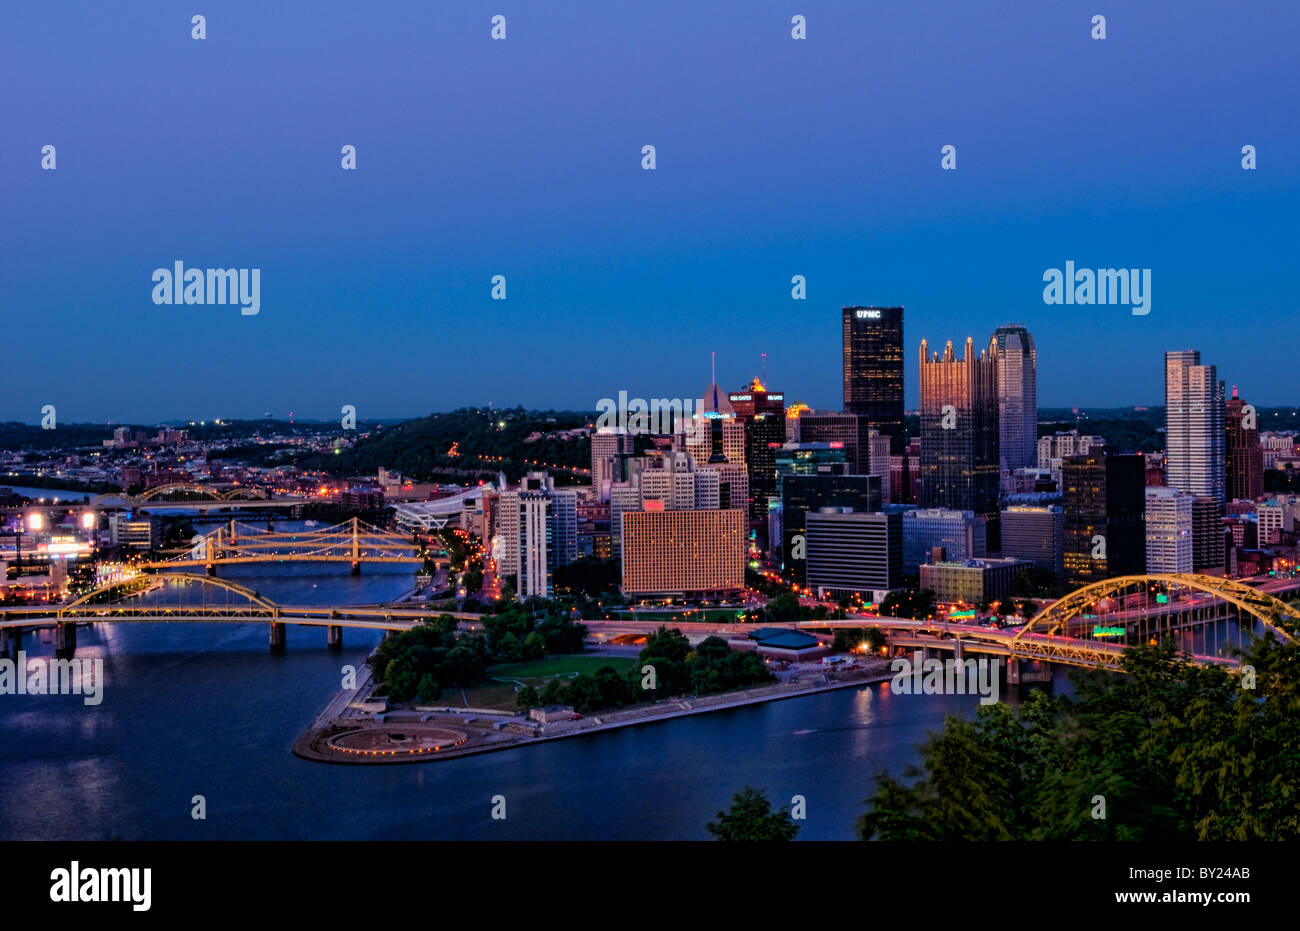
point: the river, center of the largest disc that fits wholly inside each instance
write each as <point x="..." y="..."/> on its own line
<point x="205" y="709"/>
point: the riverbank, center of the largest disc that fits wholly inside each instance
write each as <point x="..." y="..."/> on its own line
<point x="486" y="731"/>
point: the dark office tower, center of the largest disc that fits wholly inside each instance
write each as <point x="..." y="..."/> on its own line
<point x="873" y="371"/>
<point x="804" y="494"/>
<point x="1207" y="535"/>
<point x="1194" y="429"/>
<point x="1104" y="499"/>
<point x="1244" y="454"/>
<point x="764" y="435"/>
<point x="762" y="413"/>
<point x="959" y="432"/>
<point x="840" y="430"/>
<point x="1017" y="367"/>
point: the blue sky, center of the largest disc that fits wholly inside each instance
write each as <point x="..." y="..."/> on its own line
<point x="522" y="157"/>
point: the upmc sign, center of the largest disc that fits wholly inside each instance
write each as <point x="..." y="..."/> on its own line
<point x="868" y="315"/>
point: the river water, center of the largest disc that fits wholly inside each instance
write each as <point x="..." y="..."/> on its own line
<point x="205" y="709"/>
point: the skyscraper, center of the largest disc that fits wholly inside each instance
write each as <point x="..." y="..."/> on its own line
<point x="1104" y="499"/>
<point x="959" y="432"/>
<point x="873" y="370"/>
<point x="1017" y="374"/>
<point x="538" y="527"/>
<point x="1169" y="530"/>
<point x="610" y="451"/>
<point x="762" y="414"/>
<point x="1195" y="460"/>
<point x="1245" y="457"/>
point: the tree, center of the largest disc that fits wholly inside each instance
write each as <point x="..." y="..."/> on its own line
<point x="783" y="607"/>
<point x="1176" y="751"/>
<point x="429" y="688"/>
<point x="553" y="693"/>
<point x="527" y="697"/>
<point x="751" y="818"/>
<point x="534" y="646"/>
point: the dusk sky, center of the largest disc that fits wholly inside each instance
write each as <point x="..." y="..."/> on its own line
<point x="522" y="157"/>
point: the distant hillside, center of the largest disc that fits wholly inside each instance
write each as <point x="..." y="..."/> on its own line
<point x="423" y="449"/>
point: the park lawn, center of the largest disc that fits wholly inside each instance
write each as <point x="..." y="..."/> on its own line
<point x="498" y="687"/>
<point x="490" y="694"/>
<point x="551" y="666"/>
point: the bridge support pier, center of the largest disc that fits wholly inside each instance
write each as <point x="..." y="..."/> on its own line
<point x="1013" y="671"/>
<point x="335" y="637"/>
<point x="210" y="569"/>
<point x="356" y="567"/>
<point x="11" y="641"/>
<point x="65" y="640"/>
<point x="277" y="637"/>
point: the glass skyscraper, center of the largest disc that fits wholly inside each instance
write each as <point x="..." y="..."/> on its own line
<point x="1017" y="371"/>
<point x="959" y="432"/>
<point x="1195" y="439"/>
<point x="873" y="371"/>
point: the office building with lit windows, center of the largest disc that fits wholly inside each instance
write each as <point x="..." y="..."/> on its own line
<point x="873" y="370"/>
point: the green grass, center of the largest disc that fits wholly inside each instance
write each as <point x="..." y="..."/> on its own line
<point x="489" y="695"/>
<point x="552" y="666"/>
<point x="498" y="687"/>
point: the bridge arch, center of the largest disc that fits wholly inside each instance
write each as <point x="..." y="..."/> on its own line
<point x="1273" y="613"/>
<point x="111" y="499"/>
<point x="243" y="493"/>
<point x="188" y="578"/>
<point x="176" y="488"/>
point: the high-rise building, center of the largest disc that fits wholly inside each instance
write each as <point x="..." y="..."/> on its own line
<point x="854" y="553"/>
<point x="1036" y="534"/>
<point x="803" y="494"/>
<point x="1169" y="530"/>
<point x="1195" y="459"/>
<point x="1207" y="535"/>
<point x="1242" y="451"/>
<point x="839" y="430"/>
<point x="1272" y="517"/>
<point x="690" y="554"/>
<point x="610" y="450"/>
<point x="1017" y="379"/>
<point x="960" y="534"/>
<point x="537" y="527"/>
<point x="764" y="435"/>
<point x="1104" y="499"/>
<point x="755" y="398"/>
<point x="873" y="369"/>
<point x="959" y="432"/>
<point x="877" y="460"/>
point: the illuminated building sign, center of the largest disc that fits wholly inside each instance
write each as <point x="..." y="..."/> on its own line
<point x="1108" y="631"/>
<point x="868" y="314"/>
